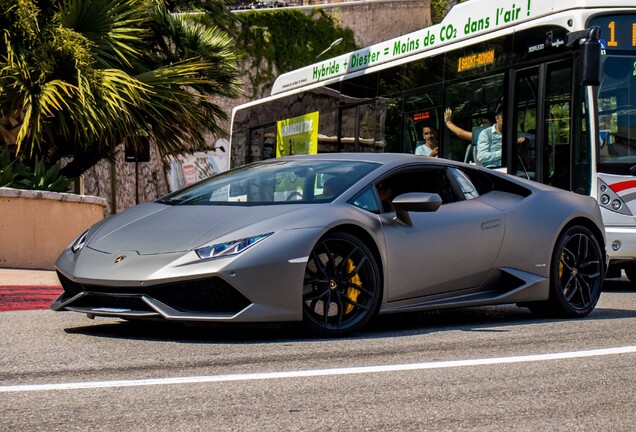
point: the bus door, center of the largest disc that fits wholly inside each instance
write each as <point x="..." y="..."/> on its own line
<point x="542" y="137"/>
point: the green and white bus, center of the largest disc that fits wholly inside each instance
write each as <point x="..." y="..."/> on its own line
<point x="538" y="61"/>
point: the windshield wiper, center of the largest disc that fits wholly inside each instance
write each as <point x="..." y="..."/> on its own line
<point x="166" y="201"/>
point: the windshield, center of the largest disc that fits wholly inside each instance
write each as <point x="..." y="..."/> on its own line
<point x="275" y="182"/>
<point x="617" y="95"/>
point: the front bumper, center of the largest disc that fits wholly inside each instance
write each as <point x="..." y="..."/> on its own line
<point x="264" y="284"/>
<point x="199" y="299"/>
<point x="621" y="243"/>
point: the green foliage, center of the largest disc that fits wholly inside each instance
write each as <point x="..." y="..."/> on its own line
<point x="16" y="174"/>
<point x="280" y="40"/>
<point x="439" y="9"/>
<point x="9" y="170"/>
<point x="82" y="76"/>
<point x="43" y="178"/>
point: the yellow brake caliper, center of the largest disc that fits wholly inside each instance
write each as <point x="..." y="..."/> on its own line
<point x="352" y="293"/>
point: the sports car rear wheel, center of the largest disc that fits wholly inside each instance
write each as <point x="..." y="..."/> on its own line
<point x="576" y="275"/>
<point x="341" y="287"/>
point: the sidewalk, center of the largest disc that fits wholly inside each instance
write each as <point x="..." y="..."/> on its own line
<point x="27" y="289"/>
<point x="22" y="277"/>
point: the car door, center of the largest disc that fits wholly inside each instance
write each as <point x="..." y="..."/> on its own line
<point x="450" y="249"/>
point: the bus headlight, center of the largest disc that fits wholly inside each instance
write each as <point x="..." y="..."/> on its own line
<point x="610" y="200"/>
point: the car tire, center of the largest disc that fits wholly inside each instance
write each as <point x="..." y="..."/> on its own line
<point x="342" y="286"/>
<point x="576" y="275"/>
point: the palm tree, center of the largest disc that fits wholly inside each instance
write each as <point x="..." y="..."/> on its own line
<point x="79" y="77"/>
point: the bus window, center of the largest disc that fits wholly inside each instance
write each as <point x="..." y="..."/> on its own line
<point x="422" y="108"/>
<point x="558" y="122"/>
<point x="358" y="114"/>
<point x="327" y="103"/>
<point x="523" y="161"/>
<point x="262" y="143"/>
<point x="423" y="73"/>
<point x="473" y="104"/>
<point x="390" y="81"/>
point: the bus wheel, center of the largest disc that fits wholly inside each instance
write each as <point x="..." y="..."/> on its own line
<point x="576" y="276"/>
<point x="342" y="286"/>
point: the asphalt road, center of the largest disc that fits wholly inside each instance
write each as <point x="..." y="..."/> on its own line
<point x="486" y="369"/>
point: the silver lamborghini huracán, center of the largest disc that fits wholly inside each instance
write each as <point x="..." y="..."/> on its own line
<point x="333" y="239"/>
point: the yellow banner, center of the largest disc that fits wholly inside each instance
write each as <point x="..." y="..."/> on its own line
<point x="298" y="135"/>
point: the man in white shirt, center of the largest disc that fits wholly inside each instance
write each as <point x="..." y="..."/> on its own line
<point x="489" y="143"/>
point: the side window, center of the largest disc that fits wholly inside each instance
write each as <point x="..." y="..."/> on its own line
<point x="430" y="180"/>
<point x="367" y="200"/>
<point x="468" y="189"/>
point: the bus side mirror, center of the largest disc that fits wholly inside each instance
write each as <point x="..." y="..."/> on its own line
<point x="591" y="58"/>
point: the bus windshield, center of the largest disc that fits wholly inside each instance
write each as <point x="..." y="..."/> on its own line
<point x="617" y="95"/>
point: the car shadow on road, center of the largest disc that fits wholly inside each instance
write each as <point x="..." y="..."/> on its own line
<point x="199" y="333"/>
<point x="619" y="285"/>
<point x="471" y="319"/>
<point x="474" y="319"/>
<point x="493" y="319"/>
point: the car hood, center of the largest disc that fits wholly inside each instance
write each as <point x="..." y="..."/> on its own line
<point x="155" y="228"/>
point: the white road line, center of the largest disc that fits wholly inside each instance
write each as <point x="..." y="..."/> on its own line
<point x="317" y="372"/>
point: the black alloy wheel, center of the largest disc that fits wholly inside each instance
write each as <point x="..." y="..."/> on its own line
<point x="342" y="286"/>
<point x="576" y="275"/>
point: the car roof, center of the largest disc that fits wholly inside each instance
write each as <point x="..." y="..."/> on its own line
<point x="394" y="160"/>
<point x="383" y="158"/>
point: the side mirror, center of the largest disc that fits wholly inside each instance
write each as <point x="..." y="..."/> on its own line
<point x="591" y="58"/>
<point x="590" y="54"/>
<point x="416" y="202"/>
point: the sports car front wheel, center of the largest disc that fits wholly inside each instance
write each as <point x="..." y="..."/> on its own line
<point x="576" y="275"/>
<point x="341" y="287"/>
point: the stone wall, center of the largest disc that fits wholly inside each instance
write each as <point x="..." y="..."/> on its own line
<point x="36" y="226"/>
<point x="134" y="182"/>
<point x="377" y="21"/>
<point x="371" y="22"/>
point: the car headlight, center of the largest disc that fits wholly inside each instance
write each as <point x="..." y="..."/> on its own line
<point x="230" y="248"/>
<point x="79" y="243"/>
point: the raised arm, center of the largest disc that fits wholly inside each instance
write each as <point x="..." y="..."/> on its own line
<point x="448" y="120"/>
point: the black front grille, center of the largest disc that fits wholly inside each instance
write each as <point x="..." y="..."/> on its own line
<point x="93" y="300"/>
<point x="211" y="295"/>
<point x="71" y="288"/>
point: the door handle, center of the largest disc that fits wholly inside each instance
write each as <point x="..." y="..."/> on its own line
<point x="492" y="223"/>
